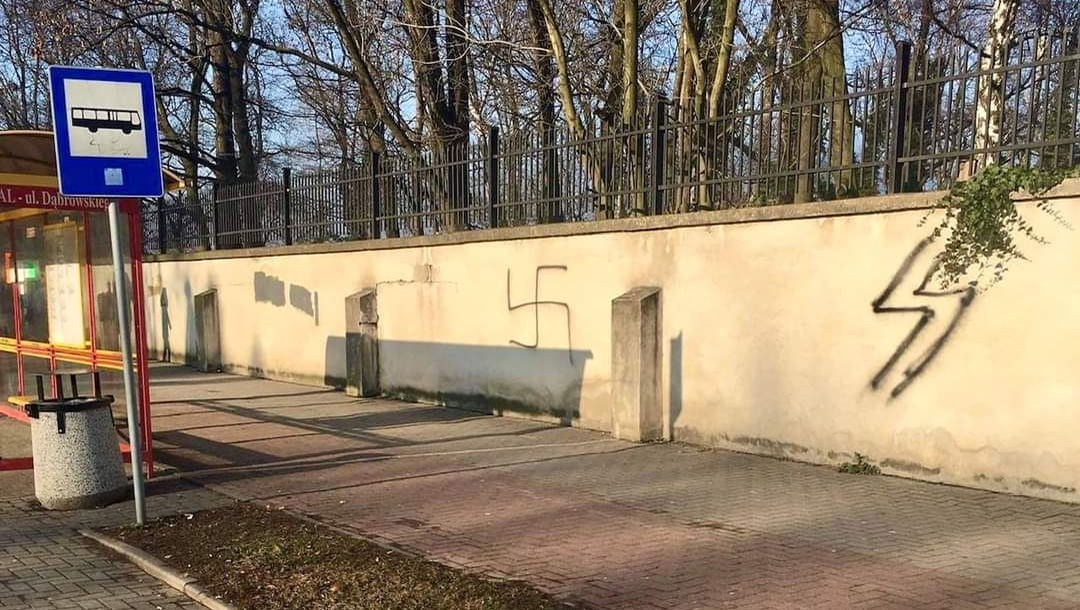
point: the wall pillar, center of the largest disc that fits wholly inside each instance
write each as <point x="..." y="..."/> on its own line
<point x="362" y="344"/>
<point x="636" y="359"/>
<point x="207" y="332"/>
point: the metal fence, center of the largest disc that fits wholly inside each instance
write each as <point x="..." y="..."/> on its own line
<point x="914" y="123"/>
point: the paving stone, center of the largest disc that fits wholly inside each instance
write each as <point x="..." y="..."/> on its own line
<point x="45" y="563"/>
<point x="613" y="524"/>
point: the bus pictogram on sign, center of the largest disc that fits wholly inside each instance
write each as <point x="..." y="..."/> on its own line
<point x="106" y="118"/>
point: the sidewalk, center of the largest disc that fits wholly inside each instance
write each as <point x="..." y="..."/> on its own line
<point x="45" y="563"/>
<point x="609" y="523"/>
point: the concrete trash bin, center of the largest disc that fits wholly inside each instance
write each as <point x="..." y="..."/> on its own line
<point x="77" y="461"/>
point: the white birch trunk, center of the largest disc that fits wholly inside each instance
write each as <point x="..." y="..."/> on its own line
<point x="990" y="99"/>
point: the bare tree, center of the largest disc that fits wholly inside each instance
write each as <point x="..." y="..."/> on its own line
<point x="988" y="113"/>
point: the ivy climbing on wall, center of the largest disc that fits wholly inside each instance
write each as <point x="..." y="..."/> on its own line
<point x="983" y="227"/>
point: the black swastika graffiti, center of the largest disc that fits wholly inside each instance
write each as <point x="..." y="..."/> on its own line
<point x="535" y="304"/>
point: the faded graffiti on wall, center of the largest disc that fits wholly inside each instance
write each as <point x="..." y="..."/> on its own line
<point x="535" y="304"/>
<point x="926" y="313"/>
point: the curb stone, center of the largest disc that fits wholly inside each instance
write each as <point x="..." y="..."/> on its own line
<point x="154" y="567"/>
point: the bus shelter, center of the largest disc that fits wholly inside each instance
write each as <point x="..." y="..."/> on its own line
<point x="58" y="312"/>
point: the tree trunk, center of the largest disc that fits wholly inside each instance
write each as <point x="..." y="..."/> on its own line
<point x="361" y="73"/>
<point x="990" y="100"/>
<point x="545" y="98"/>
<point x="823" y="74"/>
<point x="763" y="156"/>
<point x="224" y="143"/>
<point x="630" y="62"/>
<point x="683" y="75"/>
<point x="446" y="103"/>
<point x="697" y="145"/>
<point x="458" y="92"/>
<point x="591" y="156"/>
<point x="245" y="144"/>
<point x="723" y="56"/>
<point x="253" y="213"/>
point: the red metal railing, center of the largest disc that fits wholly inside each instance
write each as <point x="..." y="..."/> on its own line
<point x="87" y="354"/>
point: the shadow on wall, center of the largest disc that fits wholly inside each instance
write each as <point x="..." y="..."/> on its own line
<point x="191" y="335"/>
<point x="489" y="379"/>
<point x="305" y="300"/>
<point x="166" y="325"/>
<point x="675" y="380"/>
<point x="190" y="339"/>
<point x="334" y="375"/>
<point x="269" y="289"/>
<point x="108" y="323"/>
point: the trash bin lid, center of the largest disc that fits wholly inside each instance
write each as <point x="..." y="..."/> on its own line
<point x="62" y="406"/>
<point x="71" y="405"/>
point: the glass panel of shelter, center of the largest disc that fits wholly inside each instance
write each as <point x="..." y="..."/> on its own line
<point x="63" y="303"/>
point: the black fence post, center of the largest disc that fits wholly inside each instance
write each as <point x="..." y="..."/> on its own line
<point x="163" y="229"/>
<point x="376" y="204"/>
<point x="554" y="208"/>
<point x="286" y="190"/>
<point x="898" y="145"/>
<point x="493" y="176"/>
<point x="215" y="219"/>
<point x="658" y="120"/>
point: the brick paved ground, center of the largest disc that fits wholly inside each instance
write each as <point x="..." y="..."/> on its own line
<point x="15" y="443"/>
<point x="613" y="524"/>
<point x="45" y="563"/>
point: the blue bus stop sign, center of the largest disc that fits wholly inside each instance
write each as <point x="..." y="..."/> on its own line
<point x="105" y="125"/>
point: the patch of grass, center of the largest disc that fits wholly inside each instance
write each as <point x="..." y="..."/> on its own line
<point x="861" y="465"/>
<point x="260" y="558"/>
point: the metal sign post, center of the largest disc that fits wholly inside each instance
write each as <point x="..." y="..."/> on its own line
<point x="134" y="436"/>
<point x="105" y="122"/>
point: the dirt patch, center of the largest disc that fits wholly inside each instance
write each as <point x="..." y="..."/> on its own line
<point x="265" y="559"/>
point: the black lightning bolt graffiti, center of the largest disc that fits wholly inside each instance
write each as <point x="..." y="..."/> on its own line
<point x="913" y="370"/>
<point x="535" y="304"/>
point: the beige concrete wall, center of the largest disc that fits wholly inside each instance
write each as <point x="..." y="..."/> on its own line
<point x="770" y="340"/>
